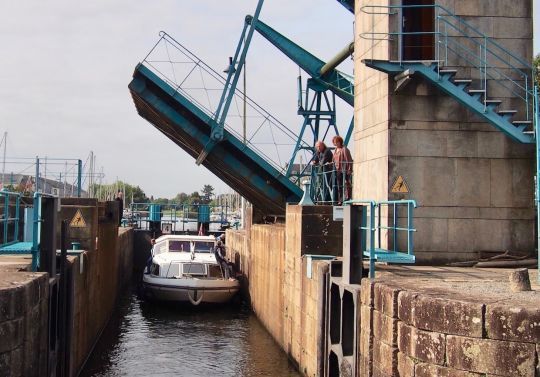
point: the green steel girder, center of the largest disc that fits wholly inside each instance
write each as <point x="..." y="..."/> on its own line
<point x="444" y="83"/>
<point x="337" y="82"/>
<point x="231" y="160"/>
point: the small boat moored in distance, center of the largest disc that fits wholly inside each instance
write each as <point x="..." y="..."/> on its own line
<point x="187" y="269"/>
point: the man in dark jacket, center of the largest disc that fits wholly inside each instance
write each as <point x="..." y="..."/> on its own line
<point x="323" y="162"/>
<point x="120" y="200"/>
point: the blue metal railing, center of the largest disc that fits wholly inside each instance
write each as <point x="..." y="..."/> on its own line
<point x="537" y="183"/>
<point x="10" y="217"/>
<point x="331" y="186"/>
<point x="456" y="44"/>
<point x="142" y="213"/>
<point x="373" y="229"/>
<point x="36" y="231"/>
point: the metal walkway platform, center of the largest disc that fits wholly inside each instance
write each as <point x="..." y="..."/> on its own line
<point x="189" y="126"/>
<point x="17" y="248"/>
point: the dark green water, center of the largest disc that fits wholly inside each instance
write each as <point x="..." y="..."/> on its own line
<point x="147" y="339"/>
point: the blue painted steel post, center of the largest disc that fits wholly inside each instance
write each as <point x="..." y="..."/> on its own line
<point x="37" y="174"/>
<point x="395" y="225"/>
<point x="372" y="241"/>
<point x="537" y="137"/>
<point x="17" y="217"/>
<point x="410" y="207"/>
<point x="220" y="118"/>
<point x="35" y="233"/>
<point x="79" y="178"/>
<point x="6" y="216"/>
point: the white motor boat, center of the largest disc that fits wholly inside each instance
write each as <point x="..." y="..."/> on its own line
<point x="185" y="269"/>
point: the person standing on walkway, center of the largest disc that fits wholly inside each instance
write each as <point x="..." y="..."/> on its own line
<point x="323" y="160"/>
<point x="343" y="163"/>
<point x="120" y="200"/>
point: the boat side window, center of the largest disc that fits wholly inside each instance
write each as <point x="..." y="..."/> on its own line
<point x="173" y="270"/>
<point x="194" y="269"/>
<point x="175" y="245"/>
<point x="159" y="248"/>
<point x="204" y="247"/>
<point x="214" y="271"/>
<point x="154" y="270"/>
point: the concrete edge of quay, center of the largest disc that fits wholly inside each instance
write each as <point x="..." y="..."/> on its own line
<point x="27" y="347"/>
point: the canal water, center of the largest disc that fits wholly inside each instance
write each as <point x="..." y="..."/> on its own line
<point x="147" y="339"/>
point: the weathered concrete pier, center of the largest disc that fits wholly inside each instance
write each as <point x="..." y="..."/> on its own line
<point x="49" y="323"/>
<point x="410" y="321"/>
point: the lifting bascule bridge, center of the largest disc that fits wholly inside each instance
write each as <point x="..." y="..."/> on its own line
<point x="204" y="112"/>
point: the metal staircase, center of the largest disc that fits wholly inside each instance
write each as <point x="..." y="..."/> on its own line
<point x="500" y="89"/>
<point x="476" y="100"/>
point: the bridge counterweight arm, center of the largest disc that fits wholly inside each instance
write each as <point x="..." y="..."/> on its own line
<point x="339" y="83"/>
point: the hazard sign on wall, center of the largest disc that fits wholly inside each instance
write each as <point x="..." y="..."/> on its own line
<point x="400" y="186"/>
<point x="78" y="220"/>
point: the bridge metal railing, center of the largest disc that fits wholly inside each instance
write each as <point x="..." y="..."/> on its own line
<point x="331" y="185"/>
<point x="189" y="76"/>
<point x="385" y="238"/>
<point x="178" y="216"/>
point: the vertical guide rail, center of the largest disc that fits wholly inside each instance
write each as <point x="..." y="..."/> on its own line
<point x="79" y="179"/>
<point x="6" y="217"/>
<point x="537" y="138"/>
<point x="35" y="231"/>
<point x="17" y="217"/>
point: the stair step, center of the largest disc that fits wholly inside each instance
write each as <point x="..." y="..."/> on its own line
<point x="492" y="103"/>
<point x="462" y="83"/>
<point x="507" y="114"/>
<point x="448" y="71"/>
<point x="477" y="93"/>
<point x="522" y="125"/>
<point x="524" y="122"/>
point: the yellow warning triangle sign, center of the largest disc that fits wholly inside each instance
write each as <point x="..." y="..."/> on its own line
<point x="400" y="186"/>
<point x="78" y="220"/>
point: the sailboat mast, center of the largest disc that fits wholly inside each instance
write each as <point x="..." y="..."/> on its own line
<point x="4" y="140"/>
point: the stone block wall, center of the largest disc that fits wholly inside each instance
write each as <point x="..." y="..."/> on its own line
<point x="406" y="331"/>
<point x="106" y="271"/>
<point x="284" y="299"/>
<point x="24" y="306"/>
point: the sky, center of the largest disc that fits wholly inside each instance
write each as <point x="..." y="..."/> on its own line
<point x="66" y="66"/>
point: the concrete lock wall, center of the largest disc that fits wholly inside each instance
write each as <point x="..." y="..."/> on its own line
<point x="284" y="299"/>
<point x="474" y="185"/>
<point x="91" y="295"/>
<point x="106" y="271"/>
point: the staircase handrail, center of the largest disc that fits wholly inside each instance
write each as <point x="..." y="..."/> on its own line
<point x="487" y="48"/>
<point x="449" y="13"/>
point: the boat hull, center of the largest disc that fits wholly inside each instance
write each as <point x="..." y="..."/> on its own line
<point x="190" y="291"/>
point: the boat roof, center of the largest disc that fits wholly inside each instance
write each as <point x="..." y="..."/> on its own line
<point x="185" y="237"/>
<point x="185" y="257"/>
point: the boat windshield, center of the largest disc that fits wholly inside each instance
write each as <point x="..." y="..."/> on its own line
<point x="175" y="245"/>
<point x="204" y="247"/>
<point x="187" y="246"/>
